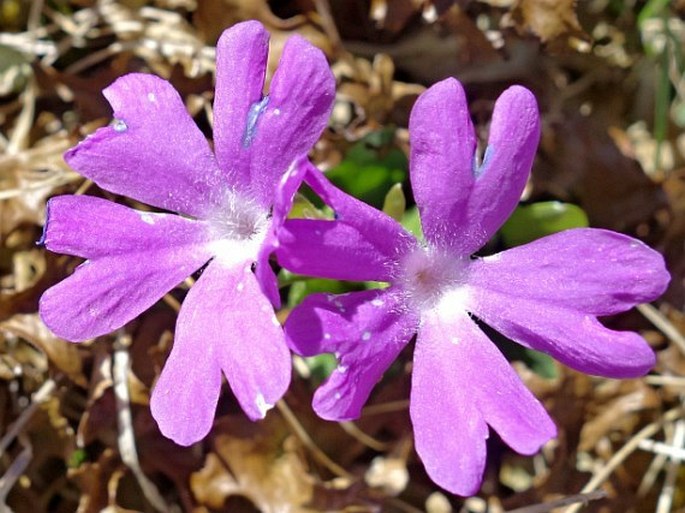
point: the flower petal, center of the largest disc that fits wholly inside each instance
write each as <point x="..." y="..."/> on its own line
<point x="505" y="403"/>
<point x="258" y="137"/>
<point x="285" y="192"/>
<point x="449" y="430"/>
<point x="300" y="101"/>
<point x="442" y="153"/>
<point x="460" y="382"/>
<point x="135" y="258"/>
<point x="153" y="151"/>
<point x="500" y="179"/>
<point x="185" y="396"/>
<point x="574" y="338"/>
<point x="226" y="315"/>
<point x="362" y="244"/>
<point x="594" y="271"/>
<point x="466" y="214"/>
<point x="241" y="55"/>
<point x="365" y="330"/>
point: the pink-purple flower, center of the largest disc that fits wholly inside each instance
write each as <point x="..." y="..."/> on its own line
<point x="231" y="203"/>
<point x="545" y="295"/>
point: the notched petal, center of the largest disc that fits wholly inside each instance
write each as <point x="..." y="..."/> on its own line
<point x="462" y="204"/>
<point x="134" y="259"/>
<point x="365" y="330"/>
<point x="185" y="396"/>
<point x="594" y="271"/>
<point x="153" y="151"/>
<point x="239" y="328"/>
<point x="574" y="338"/>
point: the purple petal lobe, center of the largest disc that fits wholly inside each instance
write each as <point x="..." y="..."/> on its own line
<point x="227" y="315"/>
<point x="331" y="249"/>
<point x="153" y="151"/>
<point x="365" y="330"/>
<point x="452" y="399"/>
<point x="135" y="258"/>
<point x="258" y="138"/>
<point x="594" y="271"/>
<point x="505" y="403"/>
<point x="463" y="205"/>
<point x="285" y="192"/>
<point x="449" y="430"/>
<point x="443" y="147"/>
<point x="362" y="244"/>
<point x="574" y="338"/>
<point x="512" y="143"/>
<point x="185" y="396"/>
<point x="300" y="101"/>
<point x="241" y="55"/>
<point x="268" y="282"/>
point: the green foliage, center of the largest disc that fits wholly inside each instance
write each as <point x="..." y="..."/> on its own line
<point x="320" y="367"/>
<point x="395" y="203"/>
<point x="540" y="363"/>
<point x="530" y="222"/>
<point x="412" y="222"/>
<point x="304" y="208"/>
<point x="370" y="168"/>
<point x="302" y="286"/>
<point x="76" y="458"/>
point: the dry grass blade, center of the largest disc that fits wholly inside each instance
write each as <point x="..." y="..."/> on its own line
<point x="581" y="498"/>
<point x="665" y="502"/>
<point x="352" y="430"/>
<point x="625" y="451"/>
<point x="15" y="470"/>
<point x="660" y="321"/>
<point x="41" y="395"/>
<point x="304" y="437"/>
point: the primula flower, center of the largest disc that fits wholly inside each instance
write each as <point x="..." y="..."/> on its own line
<point x="231" y="204"/>
<point x="545" y="295"/>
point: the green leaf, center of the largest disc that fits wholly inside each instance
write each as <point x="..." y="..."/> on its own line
<point x="370" y="167"/>
<point x="651" y="9"/>
<point x="303" y="208"/>
<point x="321" y="366"/>
<point x="301" y="287"/>
<point x="412" y="222"/>
<point x="395" y="203"/>
<point x="540" y="363"/>
<point x="76" y="458"/>
<point x="530" y="222"/>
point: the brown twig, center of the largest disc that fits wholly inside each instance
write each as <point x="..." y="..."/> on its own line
<point x="126" y="437"/>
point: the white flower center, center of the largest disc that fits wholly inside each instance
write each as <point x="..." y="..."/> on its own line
<point x="431" y="277"/>
<point x="239" y="230"/>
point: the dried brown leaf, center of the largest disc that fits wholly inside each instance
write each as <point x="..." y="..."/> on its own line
<point x="261" y="462"/>
<point x="213" y="16"/>
<point x="64" y="355"/>
<point x="621" y="413"/>
<point x="547" y="19"/>
<point x="93" y="480"/>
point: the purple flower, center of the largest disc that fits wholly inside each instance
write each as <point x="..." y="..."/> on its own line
<point x="545" y="295"/>
<point x="232" y="202"/>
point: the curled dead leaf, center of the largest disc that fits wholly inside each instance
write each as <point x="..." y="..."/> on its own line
<point x="547" y="19"/>
<point x="64" y="355"/>
<point x="264" y="464"/>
